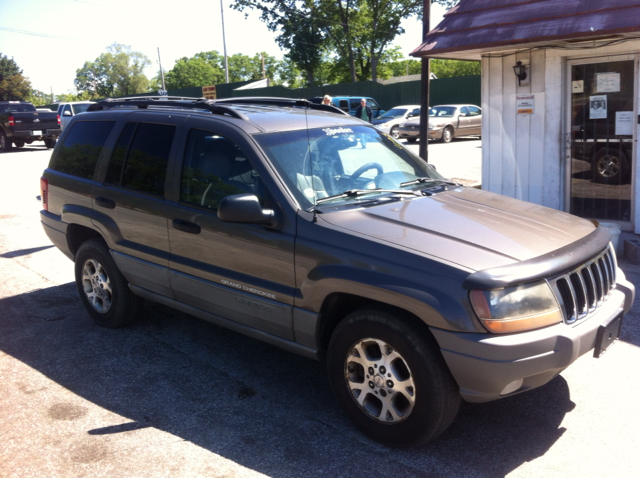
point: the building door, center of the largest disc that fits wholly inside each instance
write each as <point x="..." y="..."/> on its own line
<point x="602" y="114"/>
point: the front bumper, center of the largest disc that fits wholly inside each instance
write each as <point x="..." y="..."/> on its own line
<point x="484" y="365"/>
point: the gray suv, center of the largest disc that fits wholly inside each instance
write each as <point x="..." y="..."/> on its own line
<point x="304" y="227"/>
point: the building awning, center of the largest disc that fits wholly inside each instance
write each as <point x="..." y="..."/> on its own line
<point x="476" y="27"/>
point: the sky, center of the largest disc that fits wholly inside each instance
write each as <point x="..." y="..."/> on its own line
<point x="51" y="39"/>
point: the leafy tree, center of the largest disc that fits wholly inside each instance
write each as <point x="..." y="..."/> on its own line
<point x="194" y="71"/>
<point x="119" y="72"/>
<point x="14" y="86"/>
<point x="440" y="68"/>
<point x="359" y="31"/>
<point x="450" y="68"/>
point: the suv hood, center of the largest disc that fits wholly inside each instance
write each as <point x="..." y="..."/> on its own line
<point x="473" y="228"/>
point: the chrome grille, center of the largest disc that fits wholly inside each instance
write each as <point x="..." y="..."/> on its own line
<point x="584" y="289"/>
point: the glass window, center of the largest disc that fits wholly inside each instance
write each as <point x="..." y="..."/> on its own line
<point x="317" y="163"/>
<point x="464" y="110"/>
<point x="114" y="171"/>
<point x="474" y="111"/>
<point x="140" y="162"/>
<point x="214" y="167"/>
<point x="79" y="152"/>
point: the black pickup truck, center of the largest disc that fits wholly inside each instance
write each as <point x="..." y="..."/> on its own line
<point x="21" y="123"/>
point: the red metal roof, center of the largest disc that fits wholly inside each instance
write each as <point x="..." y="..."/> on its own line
<point x="474" y="27"/>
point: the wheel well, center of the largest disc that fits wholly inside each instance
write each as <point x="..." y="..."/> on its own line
<point x="338" y="306"/>
<point x="77" y="235"/>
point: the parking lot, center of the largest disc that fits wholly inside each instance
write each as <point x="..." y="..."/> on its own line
<point x="176" y="396"/>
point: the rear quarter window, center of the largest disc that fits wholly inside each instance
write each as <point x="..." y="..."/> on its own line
<point x="80" y="149"/>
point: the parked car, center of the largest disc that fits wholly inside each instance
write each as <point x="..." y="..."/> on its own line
<point x="266" y="216"/>
<point x="21" y="123"/>
<point x="349" y="104"/>
<point x="445" y="123"/>
<point x="390" y="121"/>
<point x="68" y="110"/>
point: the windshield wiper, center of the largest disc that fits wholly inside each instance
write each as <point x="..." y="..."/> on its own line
<point x="361" y="192"/>
<point x="428" y="180"/>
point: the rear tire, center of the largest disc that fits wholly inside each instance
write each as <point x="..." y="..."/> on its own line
<point x="18" y="144"/>
<point x="411" y="140"/>
<point x="50" y="143"/>
<point x="103" y="289"/>
<point x="5" y="144"/>
<point x="389" y="376"/>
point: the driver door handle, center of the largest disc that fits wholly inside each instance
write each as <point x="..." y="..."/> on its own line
<point x="185" y="226"/>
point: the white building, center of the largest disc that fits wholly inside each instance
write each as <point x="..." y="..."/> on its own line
<point x="563" y="134"/>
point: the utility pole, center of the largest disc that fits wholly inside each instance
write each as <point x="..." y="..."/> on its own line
<point x="161" y="71"/>
<point x="424" y="86"/>
<point x="224" y="45"/>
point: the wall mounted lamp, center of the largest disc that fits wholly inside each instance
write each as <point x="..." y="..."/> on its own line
<point x="521" y="71"/>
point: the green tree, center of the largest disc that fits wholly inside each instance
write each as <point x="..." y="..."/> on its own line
<point x="188" y="72"/>
<point x="451" y="68"/>
<point x="14" y="86"/>
<point x="119" y="72"/>
<point x="359" y="31"/>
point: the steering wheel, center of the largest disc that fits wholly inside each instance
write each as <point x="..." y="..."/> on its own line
<point x="365" y="167"/>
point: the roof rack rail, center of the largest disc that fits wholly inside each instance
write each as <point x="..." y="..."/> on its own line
<point x="143" y="102"/>
<point x="277" y="101"/>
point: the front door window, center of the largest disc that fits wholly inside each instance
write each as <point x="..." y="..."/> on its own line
<point x="602" y="122"/>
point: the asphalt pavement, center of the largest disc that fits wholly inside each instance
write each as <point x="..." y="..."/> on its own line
<point x="179" y="397"/>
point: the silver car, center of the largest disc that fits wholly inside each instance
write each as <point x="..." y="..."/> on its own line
<point x="445" y="123"/>
<point x="390" y="121"/>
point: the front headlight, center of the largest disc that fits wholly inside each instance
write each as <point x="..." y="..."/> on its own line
<point x="516" y="309"/>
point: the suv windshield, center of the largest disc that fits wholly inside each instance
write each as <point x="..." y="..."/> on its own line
<point x="323" y="162"/>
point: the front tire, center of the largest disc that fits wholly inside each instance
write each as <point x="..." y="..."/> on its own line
<point x="395" y="132"/>
<point x="388" y="375"/>
<point x="610" y="166"/>
<point x="102" y="287"/>
<point x="447" y="134"/>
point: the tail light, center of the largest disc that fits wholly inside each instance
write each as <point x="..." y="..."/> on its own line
<point x="12" y="121"/>
<point x="44" y="193"/>
<point x="58" y="120"/>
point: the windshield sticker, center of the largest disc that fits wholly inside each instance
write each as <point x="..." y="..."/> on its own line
<point x="333" y="131"/>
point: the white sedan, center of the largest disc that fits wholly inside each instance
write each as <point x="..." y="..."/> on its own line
<point x="391" y="120"/>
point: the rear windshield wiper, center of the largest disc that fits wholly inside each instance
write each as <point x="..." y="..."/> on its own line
<point x="428" y="180"/>
<point x="361" y="192"/>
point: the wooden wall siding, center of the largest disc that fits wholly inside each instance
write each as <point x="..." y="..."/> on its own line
<point x="520" y="158"/>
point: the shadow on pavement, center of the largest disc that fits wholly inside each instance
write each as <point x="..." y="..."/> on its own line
<point x="249" y="402"/>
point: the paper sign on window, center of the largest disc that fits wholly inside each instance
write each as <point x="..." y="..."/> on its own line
<point x="598" y="107"/>
<point x="607" y="82"/>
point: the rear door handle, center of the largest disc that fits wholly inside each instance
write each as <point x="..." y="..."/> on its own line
<point x="104" y="202"/>
<point x="185" y="226"/>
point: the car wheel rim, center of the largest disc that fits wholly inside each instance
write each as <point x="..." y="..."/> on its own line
<point x="447" y="135"/>
<point x="395" y="134"/>
<point x="380" y="381"/>
<point x="608" y="166"/>
<point x="97" y="286"/>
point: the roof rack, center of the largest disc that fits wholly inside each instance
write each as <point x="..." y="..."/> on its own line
<point x="221" y="107"/>
<point x="143" y="102"/>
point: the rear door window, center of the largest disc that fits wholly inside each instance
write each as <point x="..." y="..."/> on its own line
<point x="140" y="158"/>
<point x="81" y="147"/>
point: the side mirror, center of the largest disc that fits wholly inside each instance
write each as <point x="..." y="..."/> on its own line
<point x="245" y="209"/>
<point x="66" y="113"/>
